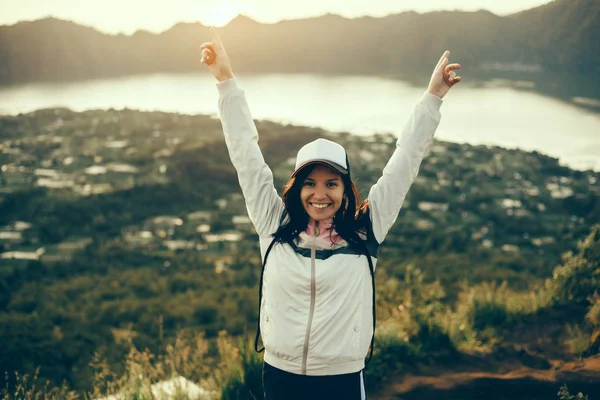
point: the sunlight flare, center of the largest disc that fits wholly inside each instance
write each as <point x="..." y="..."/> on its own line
<point x="219" y="13"/>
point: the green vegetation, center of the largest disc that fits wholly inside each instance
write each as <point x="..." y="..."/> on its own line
<point x="131" y="272"/>
<point x="233" y="371"/>
<point x="416" y="327"/>
<point x="565" y="395"/>
<point x="578" y="278"/>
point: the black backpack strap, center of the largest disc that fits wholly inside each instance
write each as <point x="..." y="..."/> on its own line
<point x="260" y="285"/>
<point x="372" y="270"/>
<point x="370" y="246"/>
<point x="260" y="289"/>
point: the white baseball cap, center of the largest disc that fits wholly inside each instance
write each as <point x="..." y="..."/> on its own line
<point x="322" y="151"/>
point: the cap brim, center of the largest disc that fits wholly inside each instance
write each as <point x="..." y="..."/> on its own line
<point x="329" y="164"/>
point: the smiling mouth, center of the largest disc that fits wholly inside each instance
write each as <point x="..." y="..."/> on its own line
<point x="320" y="205"/>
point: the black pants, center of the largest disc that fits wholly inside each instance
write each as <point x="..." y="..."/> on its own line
<point x="281" y="385"/>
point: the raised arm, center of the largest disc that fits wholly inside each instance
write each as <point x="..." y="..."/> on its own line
<point x="388" y="194"/>
<point x="264" y="205"/>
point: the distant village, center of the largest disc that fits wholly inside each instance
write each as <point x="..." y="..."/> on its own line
<point x="90" y="162"/>
<point x="86" y="164"/>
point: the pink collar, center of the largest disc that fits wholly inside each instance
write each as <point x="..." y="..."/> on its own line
<point x="328" y="238"/>
<point x="325" y="225"/>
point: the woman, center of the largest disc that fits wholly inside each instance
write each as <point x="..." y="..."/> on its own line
<point x="318" y="242"/>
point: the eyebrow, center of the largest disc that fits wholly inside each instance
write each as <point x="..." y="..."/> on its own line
<point x="328" y="180"/>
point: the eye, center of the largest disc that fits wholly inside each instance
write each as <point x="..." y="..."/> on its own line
<point x="309" y="183"/>
<point x="332" y="184"/>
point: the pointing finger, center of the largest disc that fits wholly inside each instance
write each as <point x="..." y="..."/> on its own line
<point x="442" y="65"/>
<point x="445" y="55"/>
<point x="215" y="37"/>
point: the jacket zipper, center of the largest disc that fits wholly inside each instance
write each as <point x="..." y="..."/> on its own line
<point x="313" y="289"/>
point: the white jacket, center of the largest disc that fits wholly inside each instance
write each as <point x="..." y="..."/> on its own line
<point x="316" y="312"/>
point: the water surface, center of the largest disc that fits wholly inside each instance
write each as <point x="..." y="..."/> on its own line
<point x="495" y="113"/>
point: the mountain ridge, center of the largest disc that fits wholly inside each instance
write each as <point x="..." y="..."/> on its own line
<point x="404" y="43"/>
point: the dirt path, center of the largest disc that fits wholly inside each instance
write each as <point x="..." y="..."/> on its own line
<point x="532" y="363"/>
<point x="521" y="383"/>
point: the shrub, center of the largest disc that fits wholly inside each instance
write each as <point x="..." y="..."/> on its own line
<point x="391" y="353"/>
<point x="577" y="341"/>
<point x="488" y="313"/>
<point x="564" y="394"/>
<point x="479" y="312"/>
<point x="593" y="317"/>
<point x="431" y="341"/>
<point x="593" y="314"/>
<point x="579" y="276"/>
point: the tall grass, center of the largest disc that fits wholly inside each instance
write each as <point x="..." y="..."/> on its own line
<point x="483" y="310"/>
<point x="29" y="387"/>
<point x="243" y="379"/>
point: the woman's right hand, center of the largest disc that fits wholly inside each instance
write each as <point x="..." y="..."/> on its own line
<point x="215" y="57"/>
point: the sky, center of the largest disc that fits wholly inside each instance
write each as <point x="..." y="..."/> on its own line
<point x="127" y="16"/>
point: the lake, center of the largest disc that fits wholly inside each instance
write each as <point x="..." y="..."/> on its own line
<point x="495" y="112"/>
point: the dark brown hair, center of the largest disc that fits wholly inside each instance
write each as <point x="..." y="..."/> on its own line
<point x="348" y="221"/>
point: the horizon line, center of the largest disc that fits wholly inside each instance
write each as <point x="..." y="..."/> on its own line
<point x="242" y="15"/>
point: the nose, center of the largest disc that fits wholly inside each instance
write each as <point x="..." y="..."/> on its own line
<point x="319" y="194"/>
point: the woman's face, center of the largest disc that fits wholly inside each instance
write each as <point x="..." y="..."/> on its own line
<point x="322" y="193"/>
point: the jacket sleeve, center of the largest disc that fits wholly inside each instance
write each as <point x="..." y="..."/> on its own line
<point x="387" y="195"/>
<point x="264" y="205"/>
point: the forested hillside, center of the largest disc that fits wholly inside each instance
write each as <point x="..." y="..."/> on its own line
<point x="121" y="227"/>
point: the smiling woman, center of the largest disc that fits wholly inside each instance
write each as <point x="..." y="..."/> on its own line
<point x="318" y="241"/>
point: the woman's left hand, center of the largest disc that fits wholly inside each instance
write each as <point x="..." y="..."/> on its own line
<point x="443" y="77"/>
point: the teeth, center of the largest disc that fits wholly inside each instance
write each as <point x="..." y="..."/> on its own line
<point x="319" y="205"/>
